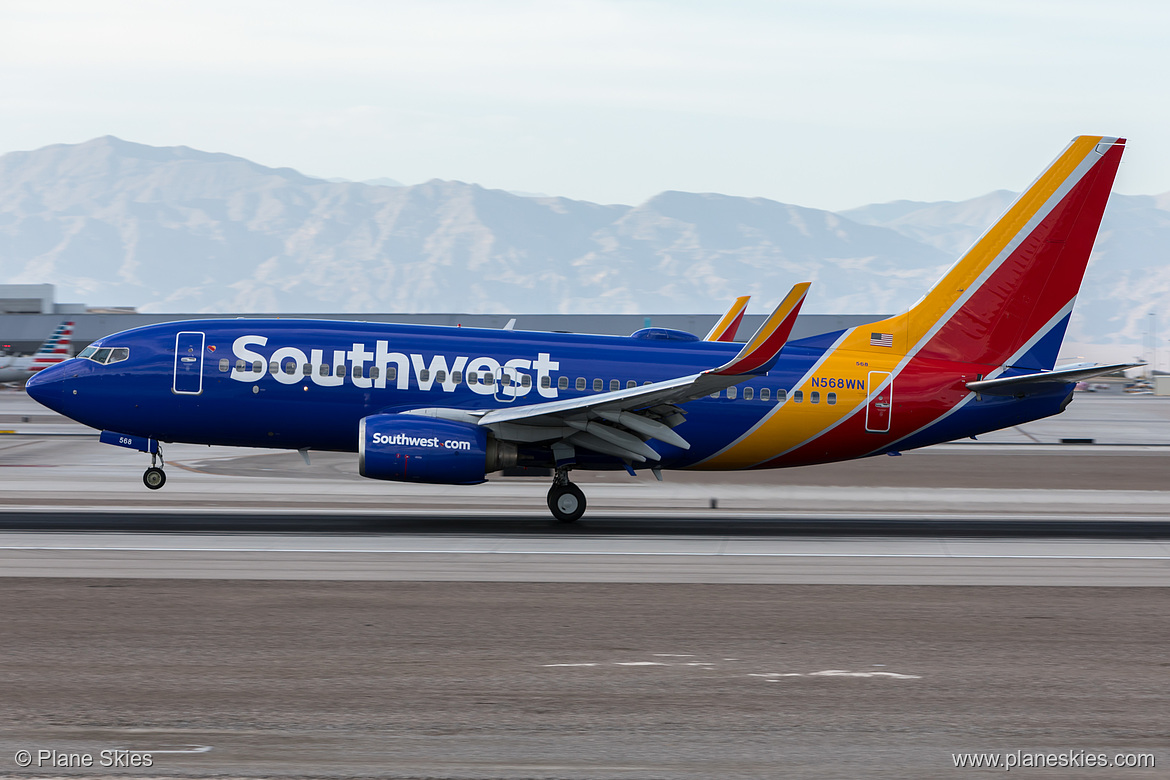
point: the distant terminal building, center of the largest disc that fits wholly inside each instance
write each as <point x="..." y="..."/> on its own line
<point x="28" y="313"/>
<point x="34" y="299"/>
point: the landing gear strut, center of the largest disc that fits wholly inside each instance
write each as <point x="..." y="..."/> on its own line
<point x="154" y="477"/>
<point x="565" y="500"/>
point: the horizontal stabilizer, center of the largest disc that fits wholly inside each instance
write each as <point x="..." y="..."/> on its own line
<point x="728" y="324"/>
<point x="758" y="355"/>
<point x="1009" y="385"/>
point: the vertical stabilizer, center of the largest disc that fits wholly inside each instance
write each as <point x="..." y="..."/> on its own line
<point x="59" y="344"/>
<point x="1008" y="299"/>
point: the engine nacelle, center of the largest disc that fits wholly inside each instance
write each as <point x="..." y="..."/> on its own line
<point x="408" y="448"/>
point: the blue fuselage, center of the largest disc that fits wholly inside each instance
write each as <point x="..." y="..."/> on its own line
<point x="308" y="383"/>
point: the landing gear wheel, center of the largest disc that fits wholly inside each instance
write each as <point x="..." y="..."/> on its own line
<point x="154" y="478"/>
<point x="566" y="502"/>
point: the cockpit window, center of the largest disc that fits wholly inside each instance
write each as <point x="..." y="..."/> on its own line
<point x="105" y="355"/>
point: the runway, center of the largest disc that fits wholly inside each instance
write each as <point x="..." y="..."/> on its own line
<point x="260" y="617"/>
<point x="590" y="558"/>
<point x="566" y="681"/>
<point x="1069" y="518"/>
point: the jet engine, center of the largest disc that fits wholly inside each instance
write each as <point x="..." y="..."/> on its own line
<point x="408" y="448"/>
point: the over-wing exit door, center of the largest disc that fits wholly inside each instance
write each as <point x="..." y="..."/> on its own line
<point x="879" y="406"/>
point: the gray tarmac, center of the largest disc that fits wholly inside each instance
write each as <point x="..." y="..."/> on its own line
<point x="586" y="680"/>
<point x="259" y="617"/>
<point x="599" y="558"/>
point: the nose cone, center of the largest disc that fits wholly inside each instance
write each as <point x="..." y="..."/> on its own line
<point x="48" y="387"/>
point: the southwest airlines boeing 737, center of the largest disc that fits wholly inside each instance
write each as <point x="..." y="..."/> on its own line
<point x="452" y="405"/>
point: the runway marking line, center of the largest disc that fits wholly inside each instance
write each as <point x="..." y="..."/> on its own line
<point x="973" y="556"/>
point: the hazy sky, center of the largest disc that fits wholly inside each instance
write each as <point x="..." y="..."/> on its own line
<point x="825" y="104"/>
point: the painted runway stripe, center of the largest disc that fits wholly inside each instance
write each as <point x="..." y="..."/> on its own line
<point x="624" y="553"/>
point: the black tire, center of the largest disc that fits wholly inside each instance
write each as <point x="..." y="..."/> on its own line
<point x="566" y="502"/>
<point x="154" y="478"/>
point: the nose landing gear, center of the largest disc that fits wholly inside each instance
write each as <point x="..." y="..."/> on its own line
<point x="154" y="477"/>
<point x="565" y="500"/>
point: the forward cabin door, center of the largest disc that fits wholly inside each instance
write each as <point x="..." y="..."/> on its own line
<point x="880" y="404"/>
<point x="189" y="363"/>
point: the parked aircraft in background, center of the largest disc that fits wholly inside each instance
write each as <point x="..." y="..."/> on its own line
<point x="58" y="347"/>
<point x="451" y="405"/>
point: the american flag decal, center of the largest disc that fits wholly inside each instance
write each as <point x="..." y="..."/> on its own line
<point x="881" y="339"/>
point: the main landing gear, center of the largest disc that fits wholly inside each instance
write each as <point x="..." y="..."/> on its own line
<point x="565" y="500"/>
<point x="154" y="477"/>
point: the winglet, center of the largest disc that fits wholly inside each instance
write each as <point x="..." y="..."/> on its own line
<point x="761" y="350"/>
<point x="728" y="324"/>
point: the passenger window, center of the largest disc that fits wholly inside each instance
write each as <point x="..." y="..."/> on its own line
<point x="765" y="393"/>
<point x="526" y="381"/>
<point x="631" y="384"/>
<point x="614" y="384"/>
<point x="307" y="369"/>
<point x="391" y="373"/>
<point x="424" y="375"/>
<point x="831" y="399"/>
<point x="326" y="369"/>
<point x="715" y="394"/>
<point x="798" y="396"/>
<point x="440" y="376"/>
<point x="507" y="380"/>
<point x="563" y="383"/>
<point x="240" y="365"/>
<point x="472" y="378"/>
<point x="290" y="368"/>
<point x="781" y="395"/>
<point x="224" y="365"/>
<point x="258" y="366"/>
<point x="359" y="372"/>
<point x="374" y="372"/>
<point x="580" y="383"/>
<point x="273" y="367"/>
<point x="340" y="369"/>
<point x="647" y="382"/>
<point x="597" y="385"/>
<point x="546" y="381"/>
<point x="748" y="393"/>
<point x="732" y="392"/>
<point x="456" y="376"/>
<point x="814" y="397"/>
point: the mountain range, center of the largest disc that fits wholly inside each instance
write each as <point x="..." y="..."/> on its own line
<point x="174" y="229"/>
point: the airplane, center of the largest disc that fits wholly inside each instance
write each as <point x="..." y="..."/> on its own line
<point x="451" y="405"/>
<point x="57" y="348"/>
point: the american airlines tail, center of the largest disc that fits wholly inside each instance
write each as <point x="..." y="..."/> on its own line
<point x="59" y="344"/>
<point x="1007" y="301"/>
